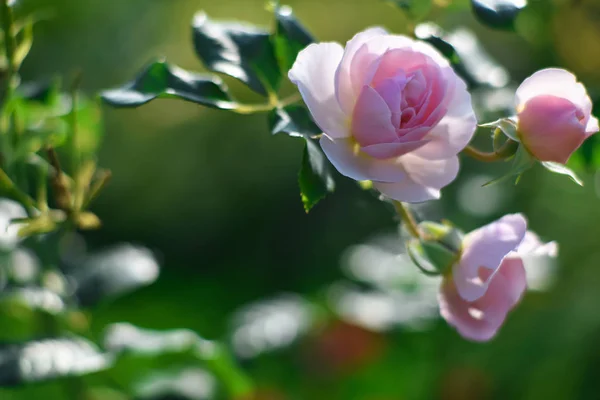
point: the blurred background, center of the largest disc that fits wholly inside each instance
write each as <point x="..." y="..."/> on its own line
<point x="216" y="197"/>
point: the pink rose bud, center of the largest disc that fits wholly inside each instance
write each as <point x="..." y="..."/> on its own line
<point x="392" y="110"/>
<point x="554" y="115"/>
<point x="489" y="279"/>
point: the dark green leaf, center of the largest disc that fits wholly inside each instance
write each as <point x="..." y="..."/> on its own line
<point x="500" y="14"/>
<point x="415" y="9"/>
<point x="114" y="272"/>
<point x="161" y="80"/>
<point x="562" y="170"/>
<point x="315" y="177"/>
<point x="290" y="37"/>
<point x="242" y="51"/>
<point x="293" y="120"/>
<point x="416" y="252"/>
<point x="48" y="359"/>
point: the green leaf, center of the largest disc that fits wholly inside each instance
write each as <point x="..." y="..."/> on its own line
<point x="242" y="51"/>
<point x="415" y="9"/>
<point x="499" y="14"/>
<point x="440" y="256"/>
<point x="47" y="359"/>
<point x="417" y="254"/>
<point x="508" y="126"/>
<point x="294" y="120"/>
<point x="563" y="170"/>
<point x="447" y="235"/>
<point x="290" y="37"/>
<point x="521" y="162"/>
<point x="315" y="178"/>
<point x="161" y="80"/>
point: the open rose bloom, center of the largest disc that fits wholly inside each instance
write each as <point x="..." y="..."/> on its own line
<point x="554" y="115"/>
<point x="489" y="279"/>
<point x="392" y="111"/>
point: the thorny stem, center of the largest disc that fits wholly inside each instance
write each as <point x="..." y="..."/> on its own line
<point x="408" y="219"/>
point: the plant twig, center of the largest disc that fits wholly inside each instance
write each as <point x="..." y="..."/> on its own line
<point x="408" y="219"/>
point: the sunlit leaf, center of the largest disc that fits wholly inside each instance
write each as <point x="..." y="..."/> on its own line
<point x="183" y="384"/>
<point x="500" y="14"/>
<point x="242" y="51"/>
<point x="419" y="257"/>
<point x="124" y="337"/>
<point x="508" y="126"/>
<point x="562" y="170"/>
<point x="290" y="37"/>
<point x="48" y="359"/>
<point x="271" y="324"/>
<point x="114" y="272"/>
<point x="466" y="54"/>
<point x="161" y="80"/>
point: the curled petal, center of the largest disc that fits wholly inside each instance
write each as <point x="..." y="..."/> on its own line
<point x="313" y="73"/>
<point x="454" y="132"/>
<point x="485" y="248"/>
<point x="554" y="82"/>
<point x="347" y="158"/>
<point x="372" y="119"/>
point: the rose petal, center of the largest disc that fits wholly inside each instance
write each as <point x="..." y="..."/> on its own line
<point x="480" y="320"/>
<point x="555" y="82"/>
<point x="592" y="126"/>
<point x="454" y="132"/>
<point x="313" y="73"/>
<point x="513" y="271"/>
<point x="384" y="151"/>
<point x="407" y="191"/>
<point x="432" y="173"/>
<point x="551" y="128"/>
<point x="345" y="92"/>
<point x="359" y="166"/>
<point x="372" y="119"/>
<point x="485" y="248"/>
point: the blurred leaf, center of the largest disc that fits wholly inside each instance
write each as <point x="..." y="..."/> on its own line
<point x="114" y="272"/>
<point x="161" y="80"/>
<point x="466" y="54"/>
<point x="415" y="9"/>
<point x="124" y="337"/>
<point x="290" y="37"/>
<point x="48" y="359"/>
<point x="500" y="14"/>
<point x="271" y="324"/>
<point x="33" y="299"/>
<point x="562" y="170"/>
<point x="242" y="51"/>
<point x="315" y="178"/>
<point x="184" y="384"/>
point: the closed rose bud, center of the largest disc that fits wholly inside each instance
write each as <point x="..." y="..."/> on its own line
<point x="554" y="115"/>
<point x="392" y="109"/>
<point x="489" y="279"/>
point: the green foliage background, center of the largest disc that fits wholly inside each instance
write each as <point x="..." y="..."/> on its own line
<point x="216" y="195"/>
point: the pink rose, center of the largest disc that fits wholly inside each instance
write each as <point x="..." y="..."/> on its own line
<point x="489" y="279"/>
<point x="554" y="115"/>
<point x="392" y="111"/>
